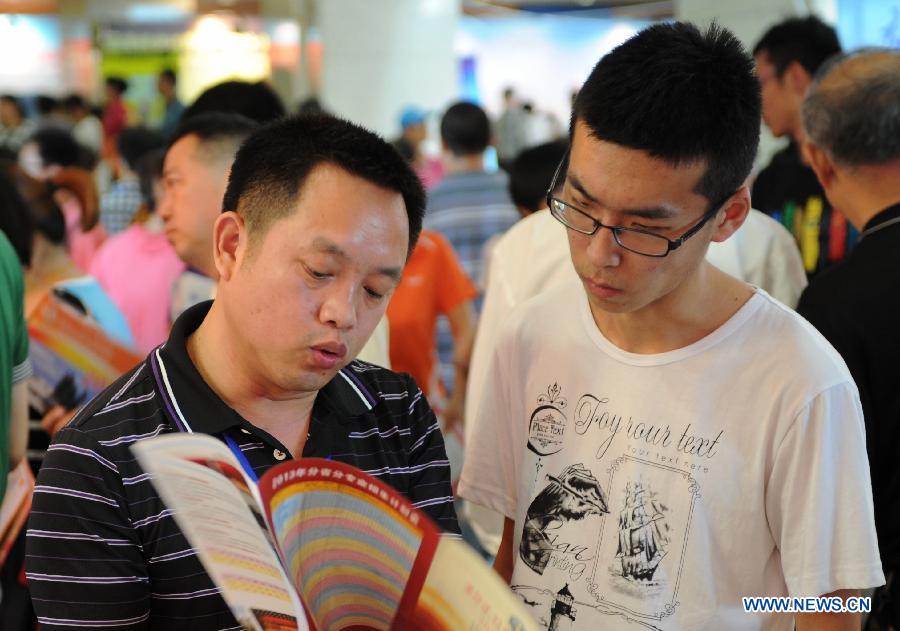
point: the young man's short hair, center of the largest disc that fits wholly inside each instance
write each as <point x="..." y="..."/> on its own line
<point x="682" y="96"/>
<point x="271" y="167"/>
<point x="808" y="41"/>
<point x="134" y="142"/>
<point x="219" y="134"/>
<point x="257" y="101"/>
<point x="465" y="129"/>
<point x="532" y="171"/>
<point x="168" y="74"/>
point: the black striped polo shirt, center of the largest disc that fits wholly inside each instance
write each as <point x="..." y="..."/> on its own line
<point x="103" y="551"/>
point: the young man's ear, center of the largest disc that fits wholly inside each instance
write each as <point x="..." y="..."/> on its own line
<point x="797" y="78"/>
<point x="820" y="162"/>
<point x="229" y="243"/>
<point x="732" y="216"/>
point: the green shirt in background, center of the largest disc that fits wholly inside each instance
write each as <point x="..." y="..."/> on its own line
<point x="14" y="364"/>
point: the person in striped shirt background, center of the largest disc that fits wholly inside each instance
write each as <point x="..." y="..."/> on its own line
<point x="320" y="217"/>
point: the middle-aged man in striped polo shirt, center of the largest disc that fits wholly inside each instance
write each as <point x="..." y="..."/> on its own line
<point x="320" y="216"/>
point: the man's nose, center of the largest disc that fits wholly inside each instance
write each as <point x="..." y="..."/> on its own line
<point x="603" y="250"/>
<point x="339" y="306"/>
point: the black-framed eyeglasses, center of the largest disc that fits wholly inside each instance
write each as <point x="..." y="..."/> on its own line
<point x="635" y="240"/>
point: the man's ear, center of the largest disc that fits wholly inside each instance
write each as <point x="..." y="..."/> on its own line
<point x="820" y="162"/>
<point x="732" y="216"/>
<point x="229" y="243"/>
<point x="797" y="78"/>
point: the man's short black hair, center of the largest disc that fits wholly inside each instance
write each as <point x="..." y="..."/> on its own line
<point x="531" y="172"/>
<point x="118" y="84"/>
<point x="134" y="142"/>
<point x="465" y="129"/>
<point x="256" y="101"/>
<point x="57" y="147"/>
<point x="168" y="74"/>
<point x="219" y="133"/>
<point x="272" y="165"/>
<point x="75" y="101"/>
<point x="682" y="96"/>
<point x="808" y="41"/>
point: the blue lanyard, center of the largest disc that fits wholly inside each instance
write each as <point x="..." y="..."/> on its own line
<point x="241" y="458"/>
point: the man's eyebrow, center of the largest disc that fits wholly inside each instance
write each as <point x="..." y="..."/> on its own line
<point x="578" y="186"/>
<point x="653" y="213"/>
<point x="330" y="247"/>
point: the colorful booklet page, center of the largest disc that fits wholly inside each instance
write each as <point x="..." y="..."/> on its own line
<point x="73" y="358"/>
<point x="355" y="551"/>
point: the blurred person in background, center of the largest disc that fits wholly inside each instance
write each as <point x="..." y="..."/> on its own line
<point x="433" y="284"/>
<point x="787" y="56"/>
<point x="86" y="127"/>
<point x="138" y="267"/>
<point x="851" y="120"/>
<point x="52" y="155"/>
<point x="50" y="112"/>
<point x="15" y="128"/>
<point x="257" y="101"/>
<point x="195" y="174"/>
<point x="119" y="204"/>
<point x="510" y="129"/>
<point x="172" y="107"/>
<point x="413" y="133"/>
<point x="469" y="206"/>
<point x="115" y="114"/>
<point x="15" y="367"/>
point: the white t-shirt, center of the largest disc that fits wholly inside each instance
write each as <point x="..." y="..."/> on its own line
<point x="658" y="490"/>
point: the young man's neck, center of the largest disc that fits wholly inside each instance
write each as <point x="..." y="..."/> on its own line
<point x="686" y="315"/>
<point x="224" y="368"/>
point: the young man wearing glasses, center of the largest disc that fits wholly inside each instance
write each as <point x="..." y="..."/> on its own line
<point x="662" y="438"/>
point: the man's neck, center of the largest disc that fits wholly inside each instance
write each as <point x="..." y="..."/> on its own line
<point x="871" y="189"/>
<point x="224" y="367"/>
<point x="464" y="164"/>
<point x="686" y="315"/>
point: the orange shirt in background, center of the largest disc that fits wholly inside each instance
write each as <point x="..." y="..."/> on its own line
<point x="433" y="283"/>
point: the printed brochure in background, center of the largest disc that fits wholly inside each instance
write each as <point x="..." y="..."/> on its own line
<point x="320" y="545"/>
<point x="72" y="356"/>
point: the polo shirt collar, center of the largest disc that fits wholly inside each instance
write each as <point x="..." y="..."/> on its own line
<point x="193" y="406"/>
<point x="891" y="212"/>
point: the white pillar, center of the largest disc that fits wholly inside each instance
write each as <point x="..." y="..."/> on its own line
<point x="379" y="56"/>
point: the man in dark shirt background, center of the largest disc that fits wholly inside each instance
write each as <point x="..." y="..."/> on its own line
<point x="319" y="218"/>
<point x="787" y="57"/>
<point x="853" y="127"/>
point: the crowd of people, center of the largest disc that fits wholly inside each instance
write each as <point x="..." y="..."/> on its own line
<point x="671" y="378"/>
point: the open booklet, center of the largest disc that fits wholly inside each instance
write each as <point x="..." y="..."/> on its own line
<point x="320" y="545"/>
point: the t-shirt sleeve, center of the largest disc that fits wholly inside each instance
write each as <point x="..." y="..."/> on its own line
<point x="819" y="498"/>
<point x="454" y="286"/>
<point x="494" y="443"/>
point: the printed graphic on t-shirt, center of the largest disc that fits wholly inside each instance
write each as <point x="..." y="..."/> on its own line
<point x="607" y="527"/>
